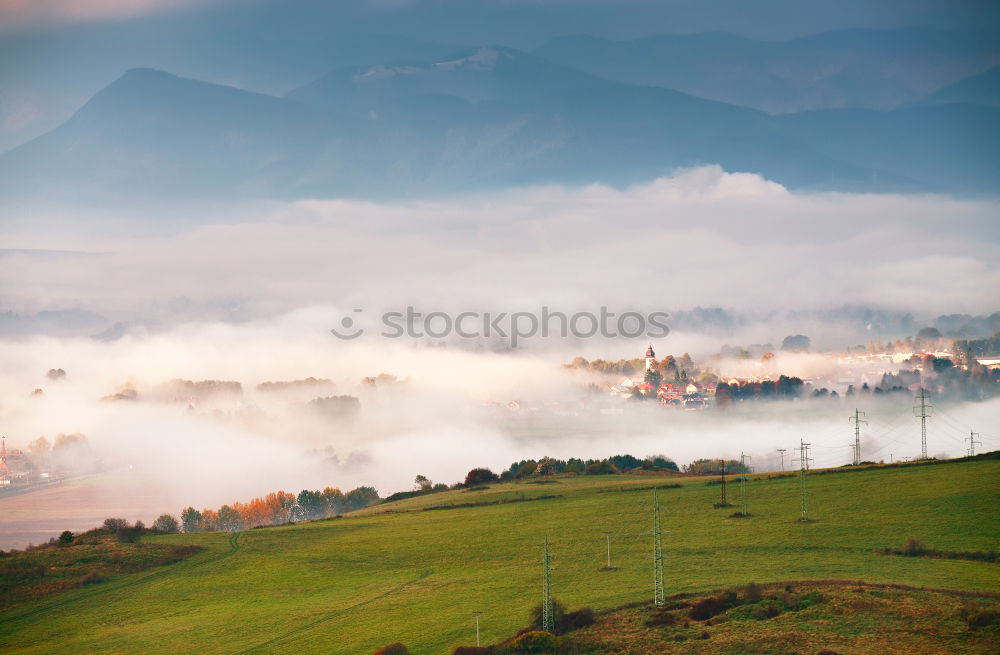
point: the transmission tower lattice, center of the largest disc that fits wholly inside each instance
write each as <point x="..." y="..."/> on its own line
<point x="744" y="500"/>
<point x="923" y="411"/>
<point x="972" y="443"/>
<point x="803" y="468"/>
<point x="658" y="594"/>
<point x="858" y="421"/>
<point x="548" y="623"/>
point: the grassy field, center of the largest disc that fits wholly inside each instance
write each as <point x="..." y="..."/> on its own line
<point x="851" y="619"/>
<point x="413" y="571"/>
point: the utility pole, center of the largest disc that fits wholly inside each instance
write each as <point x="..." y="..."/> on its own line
<point x="923" y="411"/>
<point x="803" y="468"/>
<point x="782" y="451"/>
<point x="547" y="618"/>
<point x="658" y="595"/>
<point x="476" y="614"/>
<point x="724" y="503"/>
<point x="972" y="443"/>
<point x="857" y="434"/>
<point x="607" y="536"/>
<point x="745" y="464"/>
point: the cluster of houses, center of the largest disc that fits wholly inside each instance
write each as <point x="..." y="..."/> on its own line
<point x="11" y="465"/>
<point x="687" y="395"/>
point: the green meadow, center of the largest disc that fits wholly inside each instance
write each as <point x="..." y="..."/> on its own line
<point x="414" y="570"/>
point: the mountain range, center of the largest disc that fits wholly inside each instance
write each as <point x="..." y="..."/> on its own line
<point x="483" y="118"/>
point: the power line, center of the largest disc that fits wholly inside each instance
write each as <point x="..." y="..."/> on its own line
<point x="782" y="451"/>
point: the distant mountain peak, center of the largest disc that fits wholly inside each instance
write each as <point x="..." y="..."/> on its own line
<point x="484" y="58"/>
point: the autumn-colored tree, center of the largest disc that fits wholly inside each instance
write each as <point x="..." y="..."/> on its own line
<point x="229" y="519"/>
<point x="209" y="520"/>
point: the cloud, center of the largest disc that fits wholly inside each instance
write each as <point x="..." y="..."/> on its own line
<point x="700" y="238"/>
<point x="20" y="13"/>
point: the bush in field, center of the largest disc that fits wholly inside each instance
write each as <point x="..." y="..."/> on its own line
<point x="115" y="525"/>
<point x="393" y="649"/>
<point x="131" y="533"/>
<point x="65" y="538"/>
<point x="93" y="577"/>
<point x="706" y="608"/>
<point x="480" y="476"/>
<point x="535" y="641"/>
<point x="581" y="618"/>
<point x="914" y="547"/>
<point x="558" y="611"/>
<point x="167" y="524"/>
<point x="752" y="593"/>
<point x="471" y="650"/>
<point x="977" y="616"/>
<point x="661" y="618"/>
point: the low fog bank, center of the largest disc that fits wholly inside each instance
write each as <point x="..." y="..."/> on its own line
<point x="703" y="238"/>
<point x="434" y="411"/>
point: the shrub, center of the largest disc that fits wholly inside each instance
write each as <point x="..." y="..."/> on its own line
<point x="914" y="547"/>
<point x="535" y="641"/>
<point x="166" y="523"/>
<point x="752" y="593"/>
<point x="65" y="538"/>
<point x="115" y="525"/>
<point x="93" y="577"/>
<point x="581" y="618"/>
<point x="471" y="650"/>
<point x="808" y="600"/>
<point x="706" y="608"/>
<point x="976" y="616"/>
<point x="661" y="618"/>
<point x="393" y="649"/>
<point x="767" y="609"/>
<point x="480" y="476"/>
<point x="130" y="534"/>
<point x="558" y="611"/>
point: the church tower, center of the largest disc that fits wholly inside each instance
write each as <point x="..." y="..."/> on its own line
<point x="650" y="358"/>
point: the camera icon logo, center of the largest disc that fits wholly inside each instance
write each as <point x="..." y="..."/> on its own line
<point x="350" y="332"/>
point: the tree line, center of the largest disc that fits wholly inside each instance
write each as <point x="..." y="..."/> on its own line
<point x="277" y="508"/>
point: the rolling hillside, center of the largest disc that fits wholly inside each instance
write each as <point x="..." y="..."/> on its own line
<point x="412" y="571"/>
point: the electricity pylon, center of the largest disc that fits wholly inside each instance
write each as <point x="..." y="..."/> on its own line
<point x="857" y="434"/>
<point x="803" y="468"/>
<point x="658" y="595"/>
<point x="972" y="443"/>
<point x="923" y="410"/>
<point x="548" y="623"/>
<point x="744" y="501"/>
